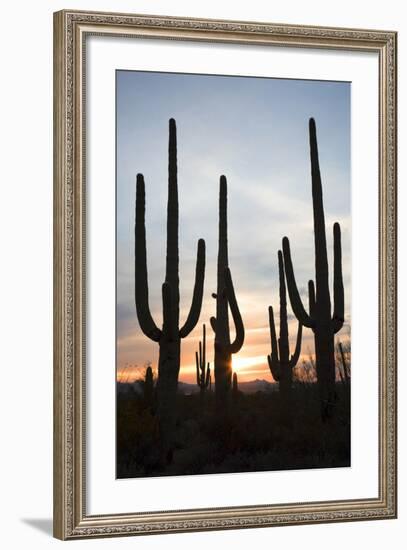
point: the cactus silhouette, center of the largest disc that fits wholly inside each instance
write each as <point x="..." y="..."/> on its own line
<point x="203" y="369"/>
<point x="344" y="372"/>
<point x="320" y="319"/>
<point x="280" y="362"/>
<point x="235" y="387"/>
<point x="225" y="298"/>
<point x="148" y="388"/>
<point x="169" y="336"/>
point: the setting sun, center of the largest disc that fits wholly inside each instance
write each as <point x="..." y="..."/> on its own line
<point x="242" y="363"/>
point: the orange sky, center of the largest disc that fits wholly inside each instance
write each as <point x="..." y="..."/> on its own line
<point x="250" y="363"/>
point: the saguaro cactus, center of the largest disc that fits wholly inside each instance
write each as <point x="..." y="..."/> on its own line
<point x="344" y="372"/>
<point x="225" y="298"/>
<point x="169" y="337"/>
<point x="235" y="387"/>
<point x="148" y="389"/>
<point x="203" y="369"/>
<point x="324" y="324"/>
<point x="280" y="362"/>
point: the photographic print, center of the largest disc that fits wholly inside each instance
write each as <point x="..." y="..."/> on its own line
<point x="224" y="274"/>
<point x="233" y="265"/>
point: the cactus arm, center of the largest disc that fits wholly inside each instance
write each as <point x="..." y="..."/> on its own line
<point x="274" y="368"/>
<point x="212" y="322"/>
<point x="273" y="361"/>
<point x="200" y="359"/>
<point x="169" y="326"/>
<point x="284" y="351"/>
<point x="203" y="351"/>
<point x="345" y="366"/>
<point x="202" y="375"/>
<point x="195" y="311"/>
<point x="339" y="302"/>
<point x="144" y="316"/>
<point x="198" y="380"/>
<point x="208" y="376"/>
<point x="295" y="299"/>
<point x="273" y="337"/>
<point x="236" y="345"/>
<point x="296" y="355"/>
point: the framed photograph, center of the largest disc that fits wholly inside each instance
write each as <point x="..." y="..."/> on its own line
<point x="225" y="274"/>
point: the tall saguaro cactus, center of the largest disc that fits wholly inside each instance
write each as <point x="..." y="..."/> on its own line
<point x="169" y="336"/>
<point x="320" y="319"/>
<point x="225" y="298"/>
<point x="280" y="362"/>
<point x="203" y="369"/>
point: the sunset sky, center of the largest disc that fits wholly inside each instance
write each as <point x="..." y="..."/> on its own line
<point x="255" y="132"/>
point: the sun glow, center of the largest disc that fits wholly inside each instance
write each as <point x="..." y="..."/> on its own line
<point x="243" y="363"/>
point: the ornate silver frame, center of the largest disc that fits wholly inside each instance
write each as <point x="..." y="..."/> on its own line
<point x="70" y="518"/>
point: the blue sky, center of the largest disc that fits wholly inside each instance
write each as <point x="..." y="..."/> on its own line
<point x="254" y="131"/>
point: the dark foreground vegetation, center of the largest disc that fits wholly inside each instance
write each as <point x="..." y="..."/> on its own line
<point x="256" y="434"/>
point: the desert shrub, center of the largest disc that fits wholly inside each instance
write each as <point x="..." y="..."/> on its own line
<point x="256" y="435"/>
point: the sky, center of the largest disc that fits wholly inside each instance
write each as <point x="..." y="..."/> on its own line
<point x="255" y="132"/>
